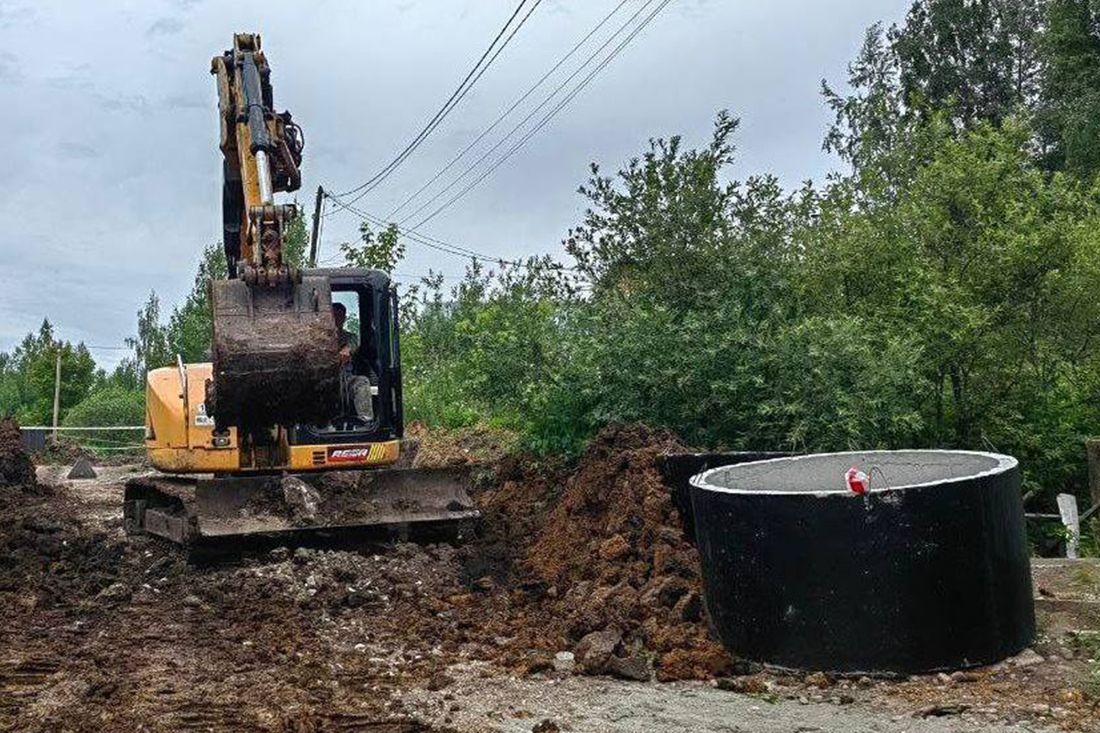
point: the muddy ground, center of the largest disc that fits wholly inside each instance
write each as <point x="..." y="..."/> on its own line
<point x="576" y="609"/>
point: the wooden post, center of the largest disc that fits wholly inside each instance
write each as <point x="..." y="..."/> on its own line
<point x="316" y="227"/>
<point x="56" y="393"/>
<point x="1092" y="450"/>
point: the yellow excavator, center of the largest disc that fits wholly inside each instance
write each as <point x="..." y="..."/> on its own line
<point x="285" y="435"/>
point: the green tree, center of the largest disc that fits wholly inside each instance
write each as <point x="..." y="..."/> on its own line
<point x="295" y="242"/>
<point x="381" y="250"/>
<point x="190" y="328"/>
<point x="109" y="405"/>
<point x="29" y="371"/>
<point x="1069" y="115"/>
<point x="870" y="122"/>
<point x="151" y="346"/>
<point x="976" y="59"/>
<point x="657" y="227"/>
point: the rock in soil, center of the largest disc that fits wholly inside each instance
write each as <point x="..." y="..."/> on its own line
<point x="751" y="685"/>
<point x="301" y="498"/>
<point x="632" y="667"/>
<point x="594" y="652"/>
<point x="1027" y="658"/>
<point x="545" y="726"/>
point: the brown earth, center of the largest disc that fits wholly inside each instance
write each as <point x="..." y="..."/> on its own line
<point x="609" y="553"/>
<point x="16" y="468"/>
<point x="99" y="631"/>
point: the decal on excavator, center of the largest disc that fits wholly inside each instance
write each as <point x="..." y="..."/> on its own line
<point x="337" y="454"/>
<point x="203" y="420"/>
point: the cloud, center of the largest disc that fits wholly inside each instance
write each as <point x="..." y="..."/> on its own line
<point x="10" y="15"/>
<point x="77" y="150"/>
<point x="11" y="73"/>
<point x="74" y="79"/>
<point x="165" y="27"/>
<point x="123" y="103"/>
<point x="185" y="101"/>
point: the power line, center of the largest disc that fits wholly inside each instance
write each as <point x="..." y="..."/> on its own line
<point x="337" y="262"/>
<point x="461" y="91"/>
<point x="435" y="243"/>
<point x="542" y="123"/>
<point x="443" y="111"/>
<point x="420" y="238"/>
<point x="519" y="125"/>
<point x="503" y="115"/>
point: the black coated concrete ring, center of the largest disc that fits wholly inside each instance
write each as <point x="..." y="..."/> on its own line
<point x="929" y="570"/>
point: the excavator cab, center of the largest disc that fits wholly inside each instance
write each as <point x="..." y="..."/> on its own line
<point x="370" y="404"/>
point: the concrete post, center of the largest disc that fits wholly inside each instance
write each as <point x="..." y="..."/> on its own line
<point x="1067" y="508"/>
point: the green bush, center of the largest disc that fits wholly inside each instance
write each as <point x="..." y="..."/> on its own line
<point x="106" y="407"/>
<point x="938" y="293"/>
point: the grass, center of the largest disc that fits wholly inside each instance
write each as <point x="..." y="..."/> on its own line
<point x="1087" y="643"/>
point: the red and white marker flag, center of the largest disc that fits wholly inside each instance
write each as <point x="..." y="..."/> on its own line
<point x="857" y="480"/>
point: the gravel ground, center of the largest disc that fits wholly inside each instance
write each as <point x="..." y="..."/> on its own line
<point x="590" y="705"/>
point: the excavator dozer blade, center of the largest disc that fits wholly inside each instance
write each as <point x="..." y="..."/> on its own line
<point x="213" y="517"/>
<point x="276" y="357"/>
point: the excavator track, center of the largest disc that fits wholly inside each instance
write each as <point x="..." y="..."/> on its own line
<point x="211" y="517"/>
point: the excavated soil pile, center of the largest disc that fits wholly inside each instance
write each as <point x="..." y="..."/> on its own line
<point x="16" y="469"/>
<point x="440" y="447"/>
<point x="63" y="451"/>
<point x="618" y="568"/>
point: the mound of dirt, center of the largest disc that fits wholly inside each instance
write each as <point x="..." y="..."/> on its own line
<point x="614" y="554"/>
<point x="62" y="450"/>
<point x="600" y="554"/>
<point x="16" y="468"/>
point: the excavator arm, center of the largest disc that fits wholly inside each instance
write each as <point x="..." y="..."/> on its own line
<point x="263" y="152"/>
<point x="275" y="350"/>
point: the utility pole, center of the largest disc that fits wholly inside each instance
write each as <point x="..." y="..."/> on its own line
<point x="56" y="392"/>
<point x="316" y="227"/>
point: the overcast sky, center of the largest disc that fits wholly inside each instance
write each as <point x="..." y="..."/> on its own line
<point x="110" y="172"/>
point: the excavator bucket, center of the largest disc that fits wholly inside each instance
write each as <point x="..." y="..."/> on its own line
<point x="211" y="517"/>
<point x="276" y="356"/>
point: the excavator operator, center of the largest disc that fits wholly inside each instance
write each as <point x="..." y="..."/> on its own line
<point x="349" y="342"/>
<point x="357" y="392"/>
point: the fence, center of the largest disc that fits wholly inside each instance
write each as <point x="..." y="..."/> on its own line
<point x="102" y="438"/>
